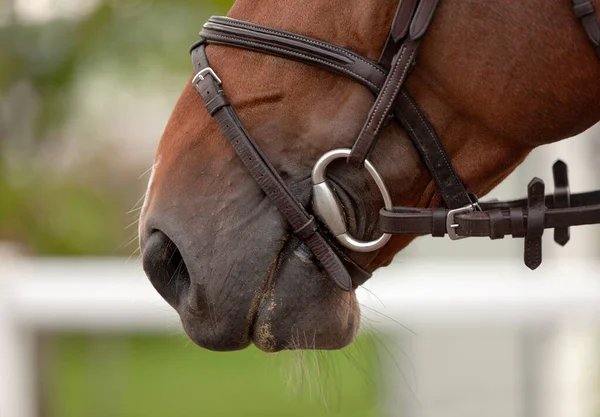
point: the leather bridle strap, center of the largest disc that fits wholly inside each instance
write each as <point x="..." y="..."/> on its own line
<point x="231" y="32"/>
<point x="400" y="27"/>
<point x="405" y="29"/>
<point x="526" y="218"/>
<point x="433" y="154"/>
<point x="383" y="104"/>
<point x="220" y="30"/>
<point x="584" y="10"/>
<point x="304" y="225"/>
<point x="514" y="217"/>
<point x="402" y="62"/>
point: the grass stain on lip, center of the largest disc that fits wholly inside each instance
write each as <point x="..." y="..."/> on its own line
<point x="263" y="338"/>
<point x="265" y="291"/>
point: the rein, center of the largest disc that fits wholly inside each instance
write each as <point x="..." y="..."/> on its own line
<point x="462" y="216"/>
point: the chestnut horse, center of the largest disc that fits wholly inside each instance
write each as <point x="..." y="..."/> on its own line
<point x="495" y="78"/>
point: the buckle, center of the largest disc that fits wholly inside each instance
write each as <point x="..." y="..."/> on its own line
<point x="201" y="75"/>
<point x="451" y="224"/>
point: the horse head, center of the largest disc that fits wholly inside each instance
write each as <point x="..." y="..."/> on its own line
<point x="495" y="80"/>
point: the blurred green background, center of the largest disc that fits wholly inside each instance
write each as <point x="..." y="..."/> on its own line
<point x="85" y="90"/>
<point x="86" y="87"/>
<point x="147" y="376"/>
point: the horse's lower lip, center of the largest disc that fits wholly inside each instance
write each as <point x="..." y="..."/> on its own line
<point x="261" y="332"/>
<point x="302" y="308"/>
<point x="269" y="284"/>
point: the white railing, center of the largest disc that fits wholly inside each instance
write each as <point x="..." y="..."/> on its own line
<point x="97" y="294"/>
<point x="113" y="294"/>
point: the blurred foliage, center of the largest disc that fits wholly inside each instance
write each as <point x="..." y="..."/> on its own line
<point x="50" y="211"/>
<point x="60" y="216"/>
<point x="158" y="376"/>
<point x="131" y="34"/>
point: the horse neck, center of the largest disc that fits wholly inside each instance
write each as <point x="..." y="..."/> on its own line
<point x="359" y="25"/>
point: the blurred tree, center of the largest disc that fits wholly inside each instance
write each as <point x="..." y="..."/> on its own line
<point x="129" y="34"/>
<point x="45" y="207"/>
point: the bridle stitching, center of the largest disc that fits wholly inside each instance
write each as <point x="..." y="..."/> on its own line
<point x="341" y="68"/>
<point x="308" y="40"/>
<point x="398" y="87"/>
<point x="385" y="88"/>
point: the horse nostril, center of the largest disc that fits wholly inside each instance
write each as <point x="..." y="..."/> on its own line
<point x="166" y="268"/>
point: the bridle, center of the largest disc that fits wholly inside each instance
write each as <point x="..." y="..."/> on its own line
<point x="462" y="215"/>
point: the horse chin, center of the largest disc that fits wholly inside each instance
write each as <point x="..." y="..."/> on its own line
<point x="302" y="308"/>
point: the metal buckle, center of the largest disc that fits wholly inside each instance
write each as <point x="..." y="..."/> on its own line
<point x="329" y="210"/>
<point x="451" y="225"/>
<point x="202" y="74"/>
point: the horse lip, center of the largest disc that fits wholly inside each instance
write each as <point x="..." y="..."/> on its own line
<point x="288" y="306"/>
<point x="266" y="290"/>
<point x="263" y="299"/>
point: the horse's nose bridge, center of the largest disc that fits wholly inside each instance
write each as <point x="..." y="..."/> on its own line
<point x="147" y="199"/>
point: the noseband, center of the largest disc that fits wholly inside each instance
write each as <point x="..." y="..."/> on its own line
<point x="462" y="215"/>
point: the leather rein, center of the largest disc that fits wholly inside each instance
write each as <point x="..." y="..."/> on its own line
<point x="462" y="215"/>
